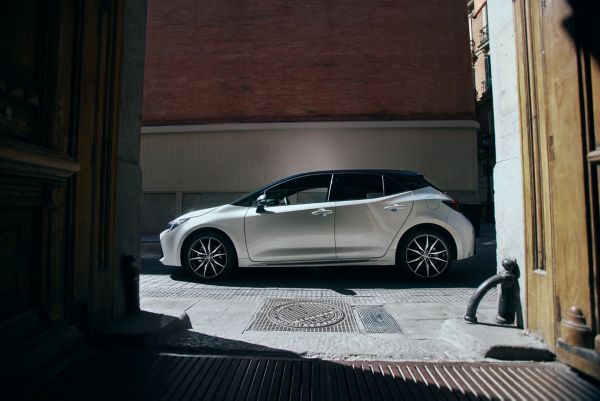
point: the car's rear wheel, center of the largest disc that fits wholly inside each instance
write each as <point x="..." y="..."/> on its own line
<point x="425" y="253"/>
<point x="209" y="255"/>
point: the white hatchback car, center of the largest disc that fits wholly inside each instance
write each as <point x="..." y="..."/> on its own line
<point x="346" y="217"/>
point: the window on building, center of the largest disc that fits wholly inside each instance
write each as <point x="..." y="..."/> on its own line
<point x="488" y="74"/>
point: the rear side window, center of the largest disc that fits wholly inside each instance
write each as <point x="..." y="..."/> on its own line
<point x="356" y="187"/>
<point x="392" y="186"/>
<point x="399" y="184"/>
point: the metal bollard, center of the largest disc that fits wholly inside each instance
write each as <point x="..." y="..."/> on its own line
<point x="131" y="276"/>
<point x="507" y="302"/>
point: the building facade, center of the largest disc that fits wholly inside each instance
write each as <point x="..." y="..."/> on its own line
<point x="484" y="106"/>
<point x="237" y="96"/>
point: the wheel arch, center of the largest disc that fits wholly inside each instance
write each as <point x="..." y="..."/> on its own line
<point x="434" y="227"/>
<point x="191" y="234"/>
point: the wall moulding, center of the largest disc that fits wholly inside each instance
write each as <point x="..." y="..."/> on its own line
<point x="325" y="125"/>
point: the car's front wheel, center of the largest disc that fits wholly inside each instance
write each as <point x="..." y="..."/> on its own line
<point x="426" y="253"/>
<point x="209" y="255"/>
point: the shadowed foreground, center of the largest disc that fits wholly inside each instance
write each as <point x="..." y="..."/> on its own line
<point x="131" y="375"/>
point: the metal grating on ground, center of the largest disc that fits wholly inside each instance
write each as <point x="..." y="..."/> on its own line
<point x="375" y="319"/>
<point x="306" y="314"/>
<point x="126" y="375"/>
<point x="361" y="296"/>
<point x="324" y="316"/>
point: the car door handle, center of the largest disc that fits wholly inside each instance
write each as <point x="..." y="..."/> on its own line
<point x="395" y="207"/>
<point x="321" y="212"/>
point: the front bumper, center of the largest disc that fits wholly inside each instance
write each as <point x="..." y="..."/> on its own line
<point x="169" y="242"/>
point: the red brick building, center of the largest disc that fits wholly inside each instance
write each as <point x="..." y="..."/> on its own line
<point x="311" y="74"/>
<point x="274" y="60"/>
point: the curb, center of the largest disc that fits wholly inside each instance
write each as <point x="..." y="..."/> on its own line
<point x="140" y="331"/>
<point x="516" y="353"/>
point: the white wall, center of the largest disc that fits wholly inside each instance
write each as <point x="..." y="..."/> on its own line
<point x="508" y="172"/>
<point x="246" y="157"/>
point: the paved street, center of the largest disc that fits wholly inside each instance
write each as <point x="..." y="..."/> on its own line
<point x="381" y="313"/>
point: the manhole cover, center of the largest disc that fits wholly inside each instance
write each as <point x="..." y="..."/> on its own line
<point x="316" y="315"/>
<point x="306" y="314"/>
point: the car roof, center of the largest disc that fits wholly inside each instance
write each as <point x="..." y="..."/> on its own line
<point x="372" y="171"/>
<point x="358" y="171"/>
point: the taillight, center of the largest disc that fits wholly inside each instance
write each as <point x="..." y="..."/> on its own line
<point x="452" y="203"/>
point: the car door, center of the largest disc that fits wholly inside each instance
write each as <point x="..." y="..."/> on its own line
<point x="296" y="224"/>
<point x="366" y="220"/>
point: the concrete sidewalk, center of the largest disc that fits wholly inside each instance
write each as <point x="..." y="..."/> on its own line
<point x="425" y="332"/>
<point x="419" y="320"/>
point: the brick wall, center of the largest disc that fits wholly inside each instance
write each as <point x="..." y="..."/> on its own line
<point x="281" y="60"/>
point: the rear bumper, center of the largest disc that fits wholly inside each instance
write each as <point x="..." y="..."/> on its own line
<point x="464" y="235"/>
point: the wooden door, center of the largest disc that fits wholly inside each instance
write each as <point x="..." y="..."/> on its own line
<point x="557" y="89"/>
<point x="540" y="300"/>
<point x="36" y="156"/>
<point x="59" y="97"/>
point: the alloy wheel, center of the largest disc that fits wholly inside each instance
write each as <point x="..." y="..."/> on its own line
<point x="427" y="255"/>
<point x="207" y="257"/>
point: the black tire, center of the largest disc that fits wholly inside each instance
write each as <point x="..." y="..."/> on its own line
<point x="425" y="253"/>
<point x="220" y="263"/>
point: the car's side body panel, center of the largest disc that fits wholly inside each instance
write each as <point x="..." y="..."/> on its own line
<point x="288" y="233"/>
<point x="365" y="228"/>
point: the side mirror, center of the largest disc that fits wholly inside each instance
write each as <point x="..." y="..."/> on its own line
<point x="261" y="201"/>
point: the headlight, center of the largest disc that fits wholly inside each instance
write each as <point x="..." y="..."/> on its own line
<point x="174" y="223"/>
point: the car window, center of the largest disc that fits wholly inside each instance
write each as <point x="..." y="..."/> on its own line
<point x="399" y="184"/>
<point x="299" y="191"/>
<point x="356" y="187"/>
<point x="414" y="182"/>
<point x="394" y="186"/>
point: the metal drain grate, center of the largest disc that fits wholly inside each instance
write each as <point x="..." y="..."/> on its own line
<point x="319" y="316"/>
<point x="377" y="320"/>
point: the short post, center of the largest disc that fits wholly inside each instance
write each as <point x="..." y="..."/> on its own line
<point x="507" y="302"/>
<point x="131" y="275"/>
